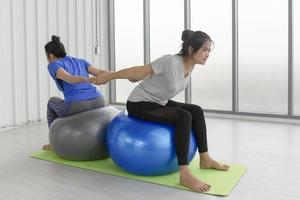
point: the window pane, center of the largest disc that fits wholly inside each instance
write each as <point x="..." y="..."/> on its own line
<point x="296" y="56"/>
<point x="212" y="83"/>
<point x="128" y="42"/>
<point x="166" y="29"/>
<point x="263" y="56"/>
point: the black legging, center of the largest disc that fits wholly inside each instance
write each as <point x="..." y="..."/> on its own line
<point x="182" y="115"/>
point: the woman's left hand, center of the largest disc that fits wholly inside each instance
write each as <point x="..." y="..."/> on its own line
<point x="100" y="79"/>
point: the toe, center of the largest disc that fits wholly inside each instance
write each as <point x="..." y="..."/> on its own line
<point x="225" y="167"/>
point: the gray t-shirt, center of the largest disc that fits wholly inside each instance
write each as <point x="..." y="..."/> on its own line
<point x="167" y="81"/>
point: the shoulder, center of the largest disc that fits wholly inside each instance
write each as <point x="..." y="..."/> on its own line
<point x="165" y="59"/>
<point x="72" y="59"/>
<point x="161" y="64"/>
<point x="62" y="62"/>
<point x="168" y="57"/>
<point x="54" y="64"/>
<point x="79" y="60"/>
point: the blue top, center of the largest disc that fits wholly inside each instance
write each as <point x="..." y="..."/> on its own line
<point x="76" y="67"/>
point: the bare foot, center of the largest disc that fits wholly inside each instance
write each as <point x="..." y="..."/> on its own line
<point x="208" y="163"/>
<point x="47" y="147"/>
<point x="188" y="180"/>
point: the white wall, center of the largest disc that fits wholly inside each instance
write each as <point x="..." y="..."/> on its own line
<point x="26" y="26"/>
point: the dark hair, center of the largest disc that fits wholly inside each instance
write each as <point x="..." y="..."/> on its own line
<point x="194" y="39"/>
<point x="55" y="47"/>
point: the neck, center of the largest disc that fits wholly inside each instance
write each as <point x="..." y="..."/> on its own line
<point x="188" y="63"/>
<point x="54" y="59"/>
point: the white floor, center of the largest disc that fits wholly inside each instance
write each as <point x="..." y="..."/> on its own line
<point x="270" y="150"/>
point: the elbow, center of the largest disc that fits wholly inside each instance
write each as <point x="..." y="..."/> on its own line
<point x="138" y="73"/>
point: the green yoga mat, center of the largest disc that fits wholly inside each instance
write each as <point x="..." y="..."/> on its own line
<point x="221" y="182"/>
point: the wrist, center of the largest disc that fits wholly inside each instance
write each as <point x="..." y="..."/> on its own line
<point x="111" y="76"/>
<point x="86" y="79"/>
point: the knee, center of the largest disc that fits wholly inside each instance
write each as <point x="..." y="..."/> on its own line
<point x="198" y="109"/>
<point x="54" y="99"/>
<point x="185" y="116"/>
<point x="197" y="112"/>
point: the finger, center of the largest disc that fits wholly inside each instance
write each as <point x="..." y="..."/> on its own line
<point x="202" y="189"/>
<point x="208" y="187"/>
<point x="199" y="189"/>
<point x="226" y="166"/>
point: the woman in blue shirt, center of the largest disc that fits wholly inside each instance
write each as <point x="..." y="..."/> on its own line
<point x="71" y="77"/>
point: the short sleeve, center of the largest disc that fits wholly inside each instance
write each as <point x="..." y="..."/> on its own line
<point x="161" y="64"/>
<point x="52" y="68"/>
<point x="85" y="63"/>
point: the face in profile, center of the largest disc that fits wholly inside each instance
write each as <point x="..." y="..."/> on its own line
<point x="202" y="54"/>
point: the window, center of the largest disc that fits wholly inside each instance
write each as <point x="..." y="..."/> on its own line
<point x="166" y="26"/>
<point x="263" y="56"/>
<point x="297" y="58"/>
<point x="211" y="83"/>
<point x="129" y="50"/>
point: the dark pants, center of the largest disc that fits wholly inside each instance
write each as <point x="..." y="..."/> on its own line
<point x="57" y="107"/>
<point x="184" y="116"/>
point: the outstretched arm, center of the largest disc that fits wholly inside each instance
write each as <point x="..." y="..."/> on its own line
<point x="133" y="73"/>
<point x="95" y="71"/>
<point x="65" y="76"/>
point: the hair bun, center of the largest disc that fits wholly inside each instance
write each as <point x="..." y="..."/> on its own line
<point x="55" y="38"/>
<point x="186" y="34"/>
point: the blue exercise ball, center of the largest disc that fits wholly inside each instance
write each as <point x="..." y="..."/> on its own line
<point x="143" y="147"/>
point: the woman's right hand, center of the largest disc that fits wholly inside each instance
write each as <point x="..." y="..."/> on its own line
<point x="100" y="79"/>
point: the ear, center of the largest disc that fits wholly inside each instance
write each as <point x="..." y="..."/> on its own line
<point x="191" y="50"/>
<point x="50" y="56"/>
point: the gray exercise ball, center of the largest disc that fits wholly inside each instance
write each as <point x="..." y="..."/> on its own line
<point x="82" y="136"/>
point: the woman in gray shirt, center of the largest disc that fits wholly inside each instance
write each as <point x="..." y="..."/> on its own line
<point x="163" y="79"/>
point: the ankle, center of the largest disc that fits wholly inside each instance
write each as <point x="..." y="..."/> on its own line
<point x="204" y="156"/>
<point x="184" y="170"/>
